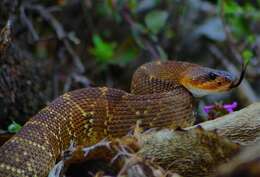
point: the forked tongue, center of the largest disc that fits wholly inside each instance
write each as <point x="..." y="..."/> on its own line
<point x="241" y="77"/>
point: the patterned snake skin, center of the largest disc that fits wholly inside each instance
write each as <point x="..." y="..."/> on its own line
<point x="88" y="115"/>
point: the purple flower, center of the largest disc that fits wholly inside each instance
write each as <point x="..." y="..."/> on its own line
<point x="207" y="109"/>
<point x="230" y="107"/>
<point x="218" y="107"/>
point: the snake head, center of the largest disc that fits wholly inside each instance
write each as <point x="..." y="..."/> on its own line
<point x="201" y="81"/>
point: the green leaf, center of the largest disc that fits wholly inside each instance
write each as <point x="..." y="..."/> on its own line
<point x="14" y="127"/>
<point x="239" y="27"/>
<point x="103" y="51"/>
<point x="232" y="8"/>
<point x="247" y="55"/>
<point x="155" y="20"/>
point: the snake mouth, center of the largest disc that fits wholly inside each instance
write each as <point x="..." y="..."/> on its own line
<point x="200" y="92"/>
<point x="204" y="81"/>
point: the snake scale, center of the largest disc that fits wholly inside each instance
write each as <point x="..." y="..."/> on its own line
<point x="161" y="96"/>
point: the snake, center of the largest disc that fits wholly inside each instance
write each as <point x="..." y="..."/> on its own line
<point x="162" y="95"/>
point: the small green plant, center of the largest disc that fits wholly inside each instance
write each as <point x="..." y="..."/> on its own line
<point x="14" y="127"/>
<point x="238" y="18"/>
<point x="247" y="55"/>
<point x="110" y="53"/>
<point x="102" y="51"/>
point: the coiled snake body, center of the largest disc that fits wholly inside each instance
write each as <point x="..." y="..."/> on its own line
<point x="160" y="97"/>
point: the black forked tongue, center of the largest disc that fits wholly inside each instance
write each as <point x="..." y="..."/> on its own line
<point x="241" y="77"/>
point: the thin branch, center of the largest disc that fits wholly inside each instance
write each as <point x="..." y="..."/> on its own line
<point x="50" y="19"/>
<point x="76" y="59"/>
<point x="61" y="34"/>
<point x="28" y="24"/>
<point x="146" y="44"/>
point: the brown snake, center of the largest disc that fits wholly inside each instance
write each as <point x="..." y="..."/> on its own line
<point x="160" y="97"/>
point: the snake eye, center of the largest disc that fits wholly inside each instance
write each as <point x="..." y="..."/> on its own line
<point x="212" y="76"/>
